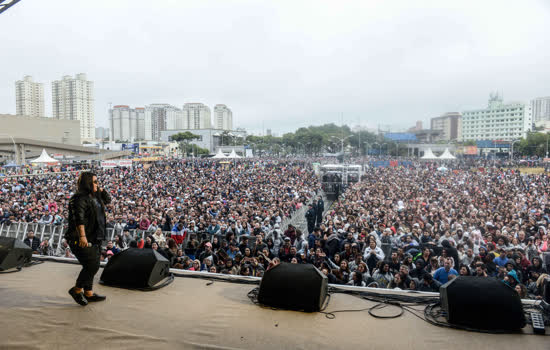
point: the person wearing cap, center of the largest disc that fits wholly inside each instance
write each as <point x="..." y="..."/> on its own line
<point x="232" y="250"/>
<point x="208" y="253"/>
<point x="502" y="259"/>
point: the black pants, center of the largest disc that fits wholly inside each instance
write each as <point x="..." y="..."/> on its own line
<point x="89" y="259"/>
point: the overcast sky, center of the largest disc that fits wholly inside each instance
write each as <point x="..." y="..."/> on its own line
<point x="284" y="64"/>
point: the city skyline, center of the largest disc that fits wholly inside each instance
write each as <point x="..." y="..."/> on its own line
<point x="282" y="66"/>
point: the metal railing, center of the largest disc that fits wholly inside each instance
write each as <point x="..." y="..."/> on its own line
<point x="54" y="232"/>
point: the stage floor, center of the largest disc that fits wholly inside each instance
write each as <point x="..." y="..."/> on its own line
<point x="37" y="313"/>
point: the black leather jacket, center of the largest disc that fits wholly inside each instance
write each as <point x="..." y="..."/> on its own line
<point x="82" y="211"/>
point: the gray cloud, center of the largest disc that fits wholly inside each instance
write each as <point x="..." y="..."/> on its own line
<point x="284" y="64"/>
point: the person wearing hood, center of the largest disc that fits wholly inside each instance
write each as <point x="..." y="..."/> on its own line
<point x="418" y="271"/>
<point x="428" y="284"/>
<point x="373" y="255"/>
<point x="535" y="270"/>
<point x="386" y="242"/>
<point x="276" y="237"/>
<point x="511" y="278"/>
<point x="332" y="244"/>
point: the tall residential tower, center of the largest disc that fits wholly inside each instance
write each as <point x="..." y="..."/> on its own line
<point x="73" y="98"/>
<point x="29" y="98"/>
<point x="197" y="116"/>
<point x="223" y="117"/>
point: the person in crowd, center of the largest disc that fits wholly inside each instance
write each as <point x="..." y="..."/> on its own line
<point x="311" y="216"/>
<point x="32" y="241"/>
<point x="442" y="274"/>
<point x="46" y="248"/>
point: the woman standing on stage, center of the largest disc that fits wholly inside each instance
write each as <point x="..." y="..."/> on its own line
<point x="87" y="229"/>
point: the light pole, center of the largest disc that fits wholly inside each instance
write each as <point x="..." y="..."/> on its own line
<point x="303" y="147"/>
<point x="342" y="139"/>
<point x="14" y="148"/>
<point x="546" y="145"/>
<point x="379" y="148"/>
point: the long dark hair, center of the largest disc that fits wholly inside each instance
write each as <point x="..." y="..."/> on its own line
<point x="84" y="184"/>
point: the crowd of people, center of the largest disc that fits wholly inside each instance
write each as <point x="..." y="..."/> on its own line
<point x="416" y="228"/>
<point x="410" y="228"/>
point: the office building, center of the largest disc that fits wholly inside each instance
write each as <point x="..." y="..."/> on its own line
<point x="450" y="125"/>
<point x="29" y="98"/>
<point x="499" y="121"/>
<point x="223" y="117"/>
<point x="73" y="99"/>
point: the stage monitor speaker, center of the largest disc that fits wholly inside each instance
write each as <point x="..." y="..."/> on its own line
<point x="293" y="287"/>
<point x="482" y="303"/>
<point x="136" y="269"/>
<point x="13" y="253"/>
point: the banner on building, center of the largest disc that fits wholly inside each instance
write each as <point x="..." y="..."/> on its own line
<point x="470" y="150"/>
<point x="116" y="163"/>
<point x="134" y="147"/>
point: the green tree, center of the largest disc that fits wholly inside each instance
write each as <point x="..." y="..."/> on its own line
<point x="536" y="144"/>
<point x="183" y="139"/>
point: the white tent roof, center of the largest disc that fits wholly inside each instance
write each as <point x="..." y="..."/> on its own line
<point x="44" y="158"/>
<point x="447" y="155"/>
<point x="233" y="154"/>
<point x="219" y="154"/>
<point x="429" y="155"/>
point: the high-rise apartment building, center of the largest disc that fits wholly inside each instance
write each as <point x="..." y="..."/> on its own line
<point x="29" y="98"/>
<point x="541" y="109"/>
<point x="102" y="133"/>
<point x="499" y="121"/>
<point x="158" y="117"/>
<point x="450" y="124"/>
<point x="175" y="119"/>
<point x="197" y="116"/>
<point x="73" y="98"/>
<point x="127" y="124"/>
<point x="140" y="123"/>
<point x="223" y="117"/>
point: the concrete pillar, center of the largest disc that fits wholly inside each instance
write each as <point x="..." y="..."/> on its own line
<point x="20" y="154"/>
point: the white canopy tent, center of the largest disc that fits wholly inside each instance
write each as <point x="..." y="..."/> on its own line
<point x="447" y="155"/>
<point x="44" y="158"/>
<point x="220" y="155"/>
<point x="429" y="155"/>
<point x="233" y="154"/>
